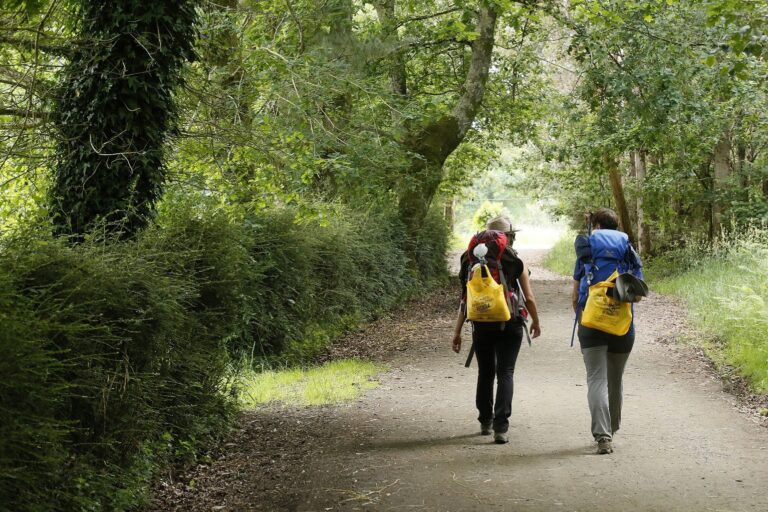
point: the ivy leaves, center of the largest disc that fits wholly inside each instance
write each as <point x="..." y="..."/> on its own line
<point x="115" y="111"/>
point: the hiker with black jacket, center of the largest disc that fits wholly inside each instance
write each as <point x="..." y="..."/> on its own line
<point x="604" y="254"/>
<point x="497" y="344"/>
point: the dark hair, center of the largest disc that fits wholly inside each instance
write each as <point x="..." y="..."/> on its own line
<point x="606" y="217"/>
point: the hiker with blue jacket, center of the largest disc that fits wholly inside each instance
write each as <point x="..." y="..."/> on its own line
<point x="602" y="255"/>
<point x="496" y="345"/>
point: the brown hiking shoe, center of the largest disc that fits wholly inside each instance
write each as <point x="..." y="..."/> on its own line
<point x="604" y="446"/>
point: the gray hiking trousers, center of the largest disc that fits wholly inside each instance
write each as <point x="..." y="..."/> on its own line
<point x="604" y="389"/>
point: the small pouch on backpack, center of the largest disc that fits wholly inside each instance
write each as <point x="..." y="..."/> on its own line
<point x="486" y="301"/>
<point x="605" y="313"/>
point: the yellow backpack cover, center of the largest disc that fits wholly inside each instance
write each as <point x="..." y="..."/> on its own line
<point x="485" y="298"/>
<point x="605" y="313"/>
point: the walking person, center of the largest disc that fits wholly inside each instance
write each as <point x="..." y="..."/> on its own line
<point x="497" y="344"/>
<point x="605" y="251"/>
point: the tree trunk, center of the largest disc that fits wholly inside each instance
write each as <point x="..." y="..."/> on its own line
<point x="618" y="196"/>
<point x="633" y="173"/>
<point x="449" y="212"/>
<point x="741" y="158"/>
<point x="643" y="233"/>
<point x="722" y="169"/>
<point x="434" y="142"/>
<point x="385" y="10"/>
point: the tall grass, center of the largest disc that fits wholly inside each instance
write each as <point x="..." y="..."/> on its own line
<point x="726" y="289"/>
<point x="561" y="258"/>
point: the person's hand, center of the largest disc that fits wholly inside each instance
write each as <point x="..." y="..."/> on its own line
<point x="535" y="330"/>
<point x="457" y="342"/>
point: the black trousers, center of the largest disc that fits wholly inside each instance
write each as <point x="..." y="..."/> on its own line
<point x="496" y="353"/>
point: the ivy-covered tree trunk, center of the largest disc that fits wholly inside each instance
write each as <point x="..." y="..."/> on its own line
<point x="115" y="112"/>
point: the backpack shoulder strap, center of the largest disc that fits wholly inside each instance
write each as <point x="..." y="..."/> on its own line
<point x="513" y="263"/>
<point x="632" y="259"/>
<point x="464" y="267"/>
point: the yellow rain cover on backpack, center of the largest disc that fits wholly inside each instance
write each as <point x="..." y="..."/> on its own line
<point x="605" y="313"/>
<point x="485" y="298"/>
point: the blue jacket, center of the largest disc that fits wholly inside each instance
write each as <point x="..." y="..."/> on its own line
<point x="599" y="255"/>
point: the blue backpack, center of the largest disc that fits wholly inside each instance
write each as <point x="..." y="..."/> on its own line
<point x="601" y="253"/>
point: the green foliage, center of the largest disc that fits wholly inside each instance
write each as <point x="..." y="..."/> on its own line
<point x="121" y="368"/>
<point x="117" y="356"/>
<point x="562" y="257"/>
<point x="28" y="6"/>
<point x="654" y="85"/>
<point x="314" y="278"/>
<point x="726" y="289"/>
<point x="486" y="212"/>
<point x="115" y="111"/>
<point x="282" y="109"/>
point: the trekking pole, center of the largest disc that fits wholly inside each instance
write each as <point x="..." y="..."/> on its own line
<point x="471" y="349"/>
<point x="523" y="299"/>
<point x="471" y="354"/>
<point x="575" y="323"/>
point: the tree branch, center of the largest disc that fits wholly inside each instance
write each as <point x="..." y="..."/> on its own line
<point x="32" y="45"/>
<point x="16" y="112"/>
<point x="477" y="75"/>
<point x="385" y="10"/>
<point x="428" y="16"/>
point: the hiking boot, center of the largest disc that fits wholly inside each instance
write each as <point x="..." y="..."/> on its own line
<point x="486" y="429"/>
<point x="500" y="438"/>
<point x="604" y="446"/>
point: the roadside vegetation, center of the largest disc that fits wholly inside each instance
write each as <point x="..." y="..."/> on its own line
<point x="193" y="191"/>
<point x="140" y="353"/>
<point x="561" y="258"/>
<point x="726" y="289"/>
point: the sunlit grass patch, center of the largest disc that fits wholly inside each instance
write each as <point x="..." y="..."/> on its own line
<point x="334" y="382"/>
<point x="561" y="257"/>
<point x="727" y="295"/>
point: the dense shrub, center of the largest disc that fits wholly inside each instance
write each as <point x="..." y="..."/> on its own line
<point x="122" y="352"/>
<point x="117" y="356"/>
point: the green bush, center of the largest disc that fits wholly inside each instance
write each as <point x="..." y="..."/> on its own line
<point x="118" y="357"/>
<point x="127" y="358"/>
<point x="312" y="280"/>
<point x="726" y="289"/>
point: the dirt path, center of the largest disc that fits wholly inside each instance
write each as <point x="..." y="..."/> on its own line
<point x="412" y="444"/>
